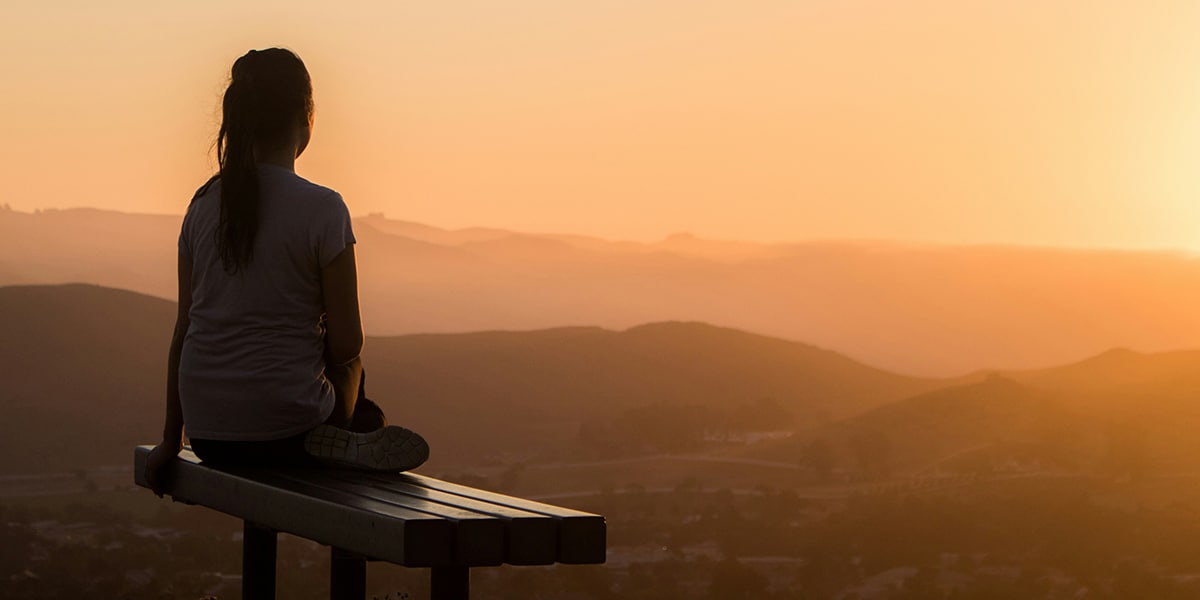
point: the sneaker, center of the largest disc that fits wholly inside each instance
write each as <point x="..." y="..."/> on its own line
<point x="390" y="448"/>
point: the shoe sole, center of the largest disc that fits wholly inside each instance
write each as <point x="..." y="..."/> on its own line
<point x="390" y="449"/>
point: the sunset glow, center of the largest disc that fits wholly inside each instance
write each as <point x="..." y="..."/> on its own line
<point x="1035" y="123"/>
<point x="854" y="299"/>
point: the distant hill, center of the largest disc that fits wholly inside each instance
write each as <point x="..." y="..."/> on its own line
<point x="83" y="371"/>
<point x="916" y="309"/>
<point x="546" y="383"/>
<point x="127" y="251"/>
<point x="924" y="432"/>
<point x="1122" y="373"/>
<point x="1120" y="413"/>
<point x="84" y="368"/>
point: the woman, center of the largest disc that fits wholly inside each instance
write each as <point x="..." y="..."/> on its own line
<point x="264" y="365"/>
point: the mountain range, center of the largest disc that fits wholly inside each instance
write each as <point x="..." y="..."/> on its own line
<point x="84" y="368"/>
<point x="85" y="372"/>
<point x="918" y="309"/>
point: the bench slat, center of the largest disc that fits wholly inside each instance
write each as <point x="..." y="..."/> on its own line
<point x="581" y="536"/>
<point x="407" y="538"/>
<point x="532" y="537"/>
<point x="479" y="539"/>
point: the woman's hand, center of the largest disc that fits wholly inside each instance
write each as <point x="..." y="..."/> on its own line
<point x="158" y="465"/>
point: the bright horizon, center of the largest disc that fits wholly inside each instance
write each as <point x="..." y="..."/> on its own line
<point x="934" y="122"/>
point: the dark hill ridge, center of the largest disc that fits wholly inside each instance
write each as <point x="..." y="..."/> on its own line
<point x="660" y="361"/>
<point x="84" y="370"/>
<point x="934" y="426"/>
<point x="1120" y="413"/>
<point x="101" y="332"/>
<point x="1121" y="369"/>
<point x="545" y="383"/>
<point x="920" y="431"/>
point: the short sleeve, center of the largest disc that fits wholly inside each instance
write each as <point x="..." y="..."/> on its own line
<point x="333" y="230"/>
<point x="185" y="247"/>
<point x="187" y="229"/>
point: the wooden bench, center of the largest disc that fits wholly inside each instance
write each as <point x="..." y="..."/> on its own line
<point x="405" y="518"/>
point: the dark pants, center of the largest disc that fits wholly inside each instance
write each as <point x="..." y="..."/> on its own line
<point x="288" y="451"/>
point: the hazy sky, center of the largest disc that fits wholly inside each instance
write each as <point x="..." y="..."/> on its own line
<point x="1046" y="122"/>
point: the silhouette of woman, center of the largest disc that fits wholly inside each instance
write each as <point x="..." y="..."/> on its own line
<point x="264" y="365"/>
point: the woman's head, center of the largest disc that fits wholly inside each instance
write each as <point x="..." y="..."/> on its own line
<point x="267" y="109"/>
<point x="268" y="102"/>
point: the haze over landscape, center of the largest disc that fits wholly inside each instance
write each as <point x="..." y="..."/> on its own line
<point x="860" y="300"/>
<point x="917" y="309"/>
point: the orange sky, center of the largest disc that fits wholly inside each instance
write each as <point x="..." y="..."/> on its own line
<point x="1064" y="123"/>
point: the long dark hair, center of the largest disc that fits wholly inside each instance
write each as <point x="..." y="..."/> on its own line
<point x="269" y="95"/>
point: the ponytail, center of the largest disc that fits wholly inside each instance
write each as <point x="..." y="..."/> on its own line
<point x="269" y="94"/>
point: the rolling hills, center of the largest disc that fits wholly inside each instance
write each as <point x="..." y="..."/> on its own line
<point x="84" y="368"/>
<point x="916" y="309"/>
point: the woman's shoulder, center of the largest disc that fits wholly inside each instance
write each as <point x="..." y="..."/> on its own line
<point x="296" y="188"/>
<point x="206" y="199"/>
<point x="212" y="185"/>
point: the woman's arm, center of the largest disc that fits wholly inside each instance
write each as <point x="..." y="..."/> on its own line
<point x="172" y="437"/>
<point x="343" y="333"/>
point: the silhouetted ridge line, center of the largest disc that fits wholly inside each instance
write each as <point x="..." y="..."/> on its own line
<point x="913" y="308"/>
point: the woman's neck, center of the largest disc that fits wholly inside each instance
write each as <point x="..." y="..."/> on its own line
<point x="283" y="157"/>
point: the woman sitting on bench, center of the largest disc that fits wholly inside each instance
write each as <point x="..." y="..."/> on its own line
<point x="264" y="365"/>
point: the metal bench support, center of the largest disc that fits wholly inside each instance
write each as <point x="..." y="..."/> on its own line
<point x="347" y="575"/>
<point x="258" y="562"/>
<point x="450" y="583"/>
<point x="347" y="571"/>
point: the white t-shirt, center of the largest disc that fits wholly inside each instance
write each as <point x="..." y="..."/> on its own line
<point x="253" y="365"/>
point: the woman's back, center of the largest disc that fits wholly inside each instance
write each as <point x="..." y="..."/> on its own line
<point x="253" y="362"/>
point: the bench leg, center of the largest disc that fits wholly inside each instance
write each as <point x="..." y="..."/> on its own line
<point x="450" y="583"/>
<point x="347" y="575"/>
<point x="258" y="562"/>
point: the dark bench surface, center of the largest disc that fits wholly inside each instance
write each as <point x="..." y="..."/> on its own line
<point x="403" y="518"/>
